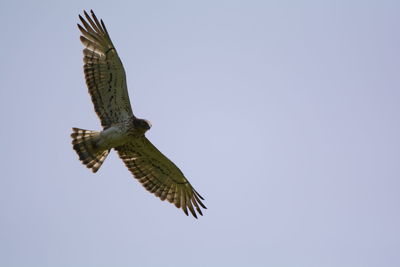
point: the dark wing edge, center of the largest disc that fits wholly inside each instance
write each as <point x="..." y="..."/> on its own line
<point x="95" y="35"/>
<point x="104" y="72"/>
<point x="160" y="176"/>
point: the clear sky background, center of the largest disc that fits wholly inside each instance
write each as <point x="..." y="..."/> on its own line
<point x="284" y="115"/>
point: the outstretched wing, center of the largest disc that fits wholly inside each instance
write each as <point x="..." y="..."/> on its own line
<point x="104" y="72"/>
<point x="159" y="175"/>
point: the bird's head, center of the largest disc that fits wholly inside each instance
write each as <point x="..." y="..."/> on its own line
<point x="142" y="124"/>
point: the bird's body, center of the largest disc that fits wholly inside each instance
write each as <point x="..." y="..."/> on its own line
<point x="122" y="131"/>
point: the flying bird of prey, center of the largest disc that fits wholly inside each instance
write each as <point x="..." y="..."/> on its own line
<point x="122" y="130"/>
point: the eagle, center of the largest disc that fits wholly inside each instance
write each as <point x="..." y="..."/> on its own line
<point x="122" y="130"/>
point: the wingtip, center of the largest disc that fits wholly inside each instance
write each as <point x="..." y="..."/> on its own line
<point x="186" y="212"/>
<point x="80" y="28"/>
<point x="197" y="193"/>
<point x="194" y="215"/>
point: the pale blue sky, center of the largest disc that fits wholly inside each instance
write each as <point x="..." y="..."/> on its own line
<point x="284" y="115"/>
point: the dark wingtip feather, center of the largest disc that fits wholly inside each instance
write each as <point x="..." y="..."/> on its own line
<point x="185" y="210"/>
<point x="86" y="14"/>
<point x="198" y="194"/>
<point x="199" y="200"/>
<point x="104" y="26"/>
<point x="192" y="210"/>
<point x="194" y="214"/>
<point x="94" y="17"/>
<point x="81" y="29"/>
<point x="199" y="211"/>
<point x="190" y="206"/>
<point x="197" y="205"/>
<point x="81" y="18"/>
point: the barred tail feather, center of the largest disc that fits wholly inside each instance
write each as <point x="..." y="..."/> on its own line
<point x="84" y="144"/>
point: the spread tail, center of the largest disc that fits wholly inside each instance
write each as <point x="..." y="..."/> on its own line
<point x="84" y="143"/>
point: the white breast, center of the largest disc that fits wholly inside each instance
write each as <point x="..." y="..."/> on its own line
<point x="113" y="137"/>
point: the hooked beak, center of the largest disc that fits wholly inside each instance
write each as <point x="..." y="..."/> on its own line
<point x="149" y="123"/>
